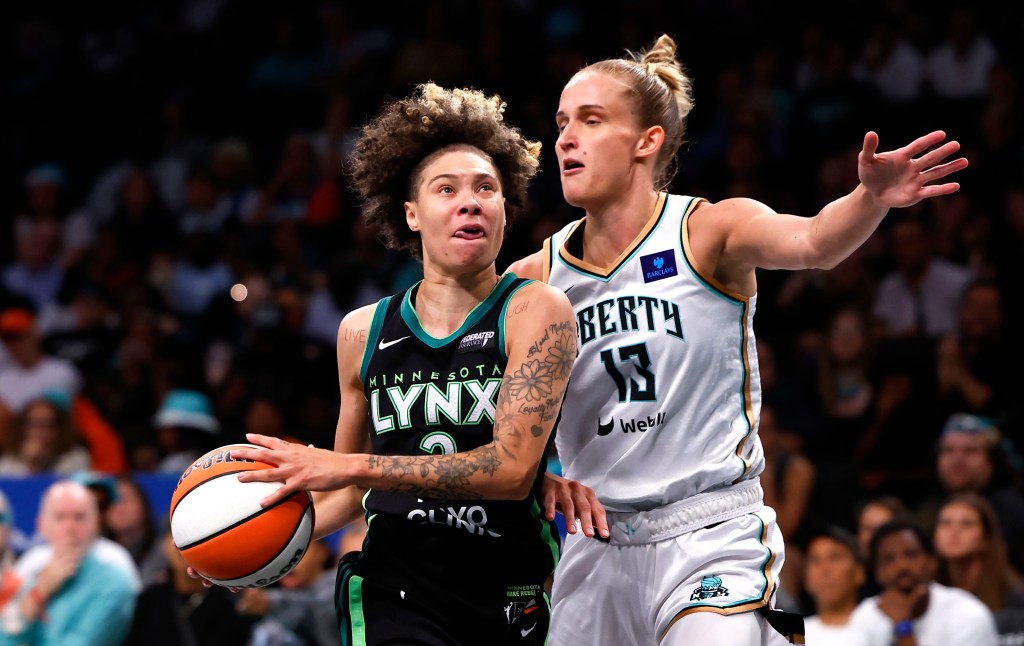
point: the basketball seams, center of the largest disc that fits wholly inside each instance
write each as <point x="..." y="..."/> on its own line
<point x="306" y="504"/>
<point x="276" y="537"/>
<point x="242" y="466"/>
<point x="195" y="486"/>
<point x="298" y="526"/>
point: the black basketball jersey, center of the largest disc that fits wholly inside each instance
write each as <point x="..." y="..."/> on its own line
<point x="430" y="395"/>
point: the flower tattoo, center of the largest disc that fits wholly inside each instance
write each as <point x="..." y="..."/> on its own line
<point x="532" y="381"/>
<point x="561" y="356"/>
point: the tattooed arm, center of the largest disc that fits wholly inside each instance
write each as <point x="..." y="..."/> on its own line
<point x="540" y="335"/>
<point x="541" y="347"/>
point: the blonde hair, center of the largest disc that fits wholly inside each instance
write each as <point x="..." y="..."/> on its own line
<point x="664" y="94"/>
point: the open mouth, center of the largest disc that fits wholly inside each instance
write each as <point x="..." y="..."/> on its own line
<point x="470" y="232"/>
<point x="571" y="165"/>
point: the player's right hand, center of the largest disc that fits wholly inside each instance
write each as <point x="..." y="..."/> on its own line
<point x="576" y="502"/>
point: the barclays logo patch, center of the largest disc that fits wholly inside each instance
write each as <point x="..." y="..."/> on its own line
<point x="657" y="266"/>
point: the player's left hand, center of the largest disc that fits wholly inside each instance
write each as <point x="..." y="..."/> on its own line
<point x="576" y="502"/>
<point x="299" y="467"/>
<point x="907" y="175"/>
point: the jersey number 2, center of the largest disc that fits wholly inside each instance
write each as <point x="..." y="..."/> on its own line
<point x="439" y="443"/>
<point x="632" y="391"/>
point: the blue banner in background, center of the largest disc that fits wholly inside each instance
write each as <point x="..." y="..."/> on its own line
<point x="26" y="492"/>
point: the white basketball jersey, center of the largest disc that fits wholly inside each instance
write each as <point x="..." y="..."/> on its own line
<point x="665" y="392"/>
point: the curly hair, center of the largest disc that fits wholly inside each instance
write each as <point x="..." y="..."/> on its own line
<point x="389" y="154"/>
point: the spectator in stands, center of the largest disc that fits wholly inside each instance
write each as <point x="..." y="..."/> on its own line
<point x="179" y="611"/>
<point x="185" y="429"/>
<point x="347" y="286"/>
<point x="230" y="168"/>
<point x="920" y="298"/>
<point x="9" y="579"/>
<point x="973" y="458"/>
<point x="143" y="227"/>
<point x="833" y="575"/>
<point x="30" y="372"/>
<point x="72" y="594"/>
<point x="198" y="276"/>
<point x="47" y="200"/>
<point x="266" y="414"/>
<point x="787" y="480"/>
<point x="912" y="609"/>
<point x="890" y="63"/>
<point x="44" y="440"/>
<point x="958" y="68"/>
<point x="970" y="365"/>
<point x="129" y="521"/>
<point x="873" y="514"/>
<point x="37" y="273"/>
<point x="300" y="607"/>
<point x="848" y="386"/>
<point x="972" y="557"/>
<point x="287" y="195"/>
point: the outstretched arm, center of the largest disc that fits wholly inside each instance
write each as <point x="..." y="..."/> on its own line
<point x="541" y="347"/>
<point x="746" y="234"/>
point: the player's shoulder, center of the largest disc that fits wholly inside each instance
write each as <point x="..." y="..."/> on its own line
<point x="531" y="266"/>
<point x="542" y="294"/>
<point x="717" y="221"/>
<point x="733" y="207"/>
<point x="361" y="318"/>
<point x="536" y="306"/>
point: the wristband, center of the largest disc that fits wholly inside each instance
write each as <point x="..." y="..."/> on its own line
<point x="904" y="628"/>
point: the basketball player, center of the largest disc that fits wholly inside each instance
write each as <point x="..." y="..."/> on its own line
<point x="462" y="377"/>
<point x="661" y="415"/>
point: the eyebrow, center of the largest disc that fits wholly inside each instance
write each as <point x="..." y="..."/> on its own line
<point x="582" y="108"/>
<point x="453" y="176"/>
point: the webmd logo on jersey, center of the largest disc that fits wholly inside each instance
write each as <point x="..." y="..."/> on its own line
<point x="658" y="265"/>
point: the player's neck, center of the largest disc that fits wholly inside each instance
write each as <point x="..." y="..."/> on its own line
<point x="442" y="302"/>
<point x="612" y="227"/>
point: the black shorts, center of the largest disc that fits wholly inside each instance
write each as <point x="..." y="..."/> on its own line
<point x="370" y="614"/>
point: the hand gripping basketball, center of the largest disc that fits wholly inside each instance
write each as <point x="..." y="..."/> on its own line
<point x="225" y="534"/>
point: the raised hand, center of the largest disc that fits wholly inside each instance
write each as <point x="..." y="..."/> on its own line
<point x="907" y="175"/>
<point x="62" y="566"/>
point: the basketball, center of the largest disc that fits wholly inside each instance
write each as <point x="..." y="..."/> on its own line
<point x="222" y="532"/>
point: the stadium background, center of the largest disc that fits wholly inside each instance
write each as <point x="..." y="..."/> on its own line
<point x="160" y="153"/>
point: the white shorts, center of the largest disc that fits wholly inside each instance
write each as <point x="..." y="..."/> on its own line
<point x="628" y="593"/>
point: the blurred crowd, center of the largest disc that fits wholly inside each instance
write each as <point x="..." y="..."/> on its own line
<point x="181" y="244"/>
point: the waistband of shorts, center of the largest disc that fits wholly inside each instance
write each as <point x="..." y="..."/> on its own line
<point x="675" y="519"/>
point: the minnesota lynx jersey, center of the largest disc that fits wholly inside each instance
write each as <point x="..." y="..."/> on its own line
<point x="665" y="391"/>
<point x="437" y="396"/>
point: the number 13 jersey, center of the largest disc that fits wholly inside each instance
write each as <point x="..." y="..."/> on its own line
<point x="665" y="392"/>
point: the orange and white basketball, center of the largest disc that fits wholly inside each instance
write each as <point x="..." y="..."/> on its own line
<point x="222" y="532"/>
